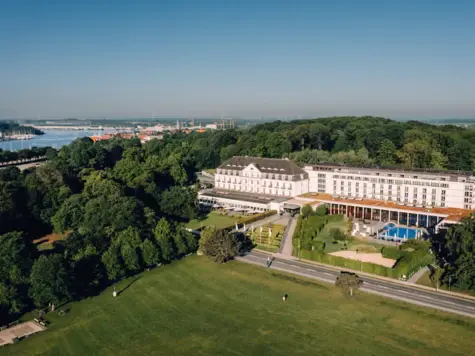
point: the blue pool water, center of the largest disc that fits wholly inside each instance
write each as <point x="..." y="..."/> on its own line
<point x="393" y="232"/>
<point x="389" y="226"/>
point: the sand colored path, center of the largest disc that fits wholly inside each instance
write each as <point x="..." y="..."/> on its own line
<point x="375" y="258"/>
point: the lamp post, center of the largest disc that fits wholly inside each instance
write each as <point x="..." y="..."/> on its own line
<point x="114" y="293"/>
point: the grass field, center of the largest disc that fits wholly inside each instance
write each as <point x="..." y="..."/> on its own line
<point x="195" y="307"/>
<point x="213" y="218"/>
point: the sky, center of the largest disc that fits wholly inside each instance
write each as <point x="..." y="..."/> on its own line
<point x="190" y="58"/>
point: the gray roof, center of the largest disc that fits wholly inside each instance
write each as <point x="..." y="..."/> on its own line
<point x="393" y="168"/>
<point x="265" y="165"/>
<point x="234" y="195"/>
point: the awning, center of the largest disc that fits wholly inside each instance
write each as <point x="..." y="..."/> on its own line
<point x="291" y="206"/>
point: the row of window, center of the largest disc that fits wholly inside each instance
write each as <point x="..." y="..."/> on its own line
<point x="283" y="192"/>
<point x="390" y="187"/>
<point x="257" y="182"/>
<point x="258" y="175"/>
<point x="392" y="181"/>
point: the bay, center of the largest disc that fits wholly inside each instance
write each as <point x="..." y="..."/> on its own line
<point x="51" y="138"/>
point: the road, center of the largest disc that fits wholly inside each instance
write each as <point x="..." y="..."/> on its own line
<point x="394" y="290"/>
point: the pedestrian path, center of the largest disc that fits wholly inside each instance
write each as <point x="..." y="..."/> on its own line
<point x="417" y="275"/>
<point x="289" y="233"/>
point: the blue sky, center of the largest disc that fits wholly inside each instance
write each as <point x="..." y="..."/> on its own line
<point x="237" y="58"/>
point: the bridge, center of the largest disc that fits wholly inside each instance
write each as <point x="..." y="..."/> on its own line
<point x="24" y="163"/>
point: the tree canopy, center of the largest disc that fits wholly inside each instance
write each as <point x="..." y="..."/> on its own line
<point x="119" y="204"/>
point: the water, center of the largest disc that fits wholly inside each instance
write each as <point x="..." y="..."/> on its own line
<point x="394" y="232"/>
<point x="51" y="138"/>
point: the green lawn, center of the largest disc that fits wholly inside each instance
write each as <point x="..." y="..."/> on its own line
<point x="214" y="218"/>
<point x="195" y="307"/>
<point x="425" y="280"/>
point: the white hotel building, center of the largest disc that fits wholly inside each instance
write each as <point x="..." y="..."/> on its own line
<point x="414" y="197"/>
<point x="278" y="177"/>
<point x="416" y="188"/>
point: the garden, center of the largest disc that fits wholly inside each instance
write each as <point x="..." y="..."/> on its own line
<point x="317" y="236"/>
<point x="267" y="237"/>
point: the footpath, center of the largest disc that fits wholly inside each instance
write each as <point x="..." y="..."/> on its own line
<point x="289" y="233"/>
<point x="417" y="275"/>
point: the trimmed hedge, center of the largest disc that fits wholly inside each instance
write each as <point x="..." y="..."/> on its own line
<point x="392" y="252"/>
<point x="350" y="264"/>
<point x="407" y="265"/>
<point x="249" y="219"/>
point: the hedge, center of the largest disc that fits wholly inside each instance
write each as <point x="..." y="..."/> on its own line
<point x="249" y="219"/>
<point x="391" y="252"/>
<point x="350" y="264"/>
<point x="407" y="265"/>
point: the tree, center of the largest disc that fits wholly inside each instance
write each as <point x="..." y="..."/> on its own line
<point x="220" y="245"/>
<point x="130" y="256"/>
<point x="459" y="254"/>
<point x="15" y="266"/>
<point x="207" y="234"/>
<point x="306" y="211"/>
<point x="386" y="155"/>
<point x="49" y="280"/>
<point x="179" y="203"/>
<point x="321" y="210"/>
<point x="150" y="253"/>
<point x="70" y="214"/>
<point x="348" y="281"/>
<point x="164" y="240"/>
<point x="113" y="263"/>
<point x="191" y="241"/>
<point x="337" y="235"/>
<point x="180" y="243"/>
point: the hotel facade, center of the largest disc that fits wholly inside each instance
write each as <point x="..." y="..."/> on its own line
<point x="425" y="198"/>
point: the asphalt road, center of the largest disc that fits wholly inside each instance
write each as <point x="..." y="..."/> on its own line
<point x="385" y="288"/>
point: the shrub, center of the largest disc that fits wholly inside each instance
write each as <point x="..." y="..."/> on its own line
<point x="337" y="235"/>
<point x="306" y="211"/>
<point x="391" y="252"/>
<point x="321" y="210"/>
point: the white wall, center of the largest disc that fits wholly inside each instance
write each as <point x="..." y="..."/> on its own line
<point x="251" y="180"/>
<point x="455" y="191"/>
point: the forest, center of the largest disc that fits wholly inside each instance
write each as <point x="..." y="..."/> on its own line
<point x="119" y="205"/>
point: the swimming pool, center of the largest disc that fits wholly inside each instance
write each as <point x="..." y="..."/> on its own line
<point x="391" y="231"/>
